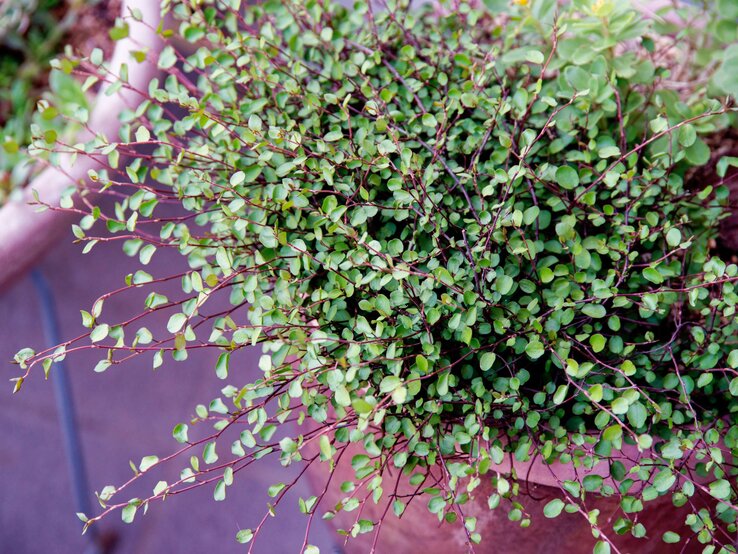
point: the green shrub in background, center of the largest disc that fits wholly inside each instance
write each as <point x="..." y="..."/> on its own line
<point x="32" y="34"/>
<point x="458" y="234"/>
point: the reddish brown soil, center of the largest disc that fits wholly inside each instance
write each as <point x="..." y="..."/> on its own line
<point x="93" y="24"/>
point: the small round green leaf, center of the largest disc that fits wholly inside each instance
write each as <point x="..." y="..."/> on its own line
<point x="567" y="177"/>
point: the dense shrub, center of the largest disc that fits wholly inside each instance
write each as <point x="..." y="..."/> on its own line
<point x="456" y="233"/>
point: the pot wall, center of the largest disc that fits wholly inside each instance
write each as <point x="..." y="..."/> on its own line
<point x="419" y="531"/>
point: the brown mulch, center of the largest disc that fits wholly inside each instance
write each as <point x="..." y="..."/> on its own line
<point x="93" y="24"/>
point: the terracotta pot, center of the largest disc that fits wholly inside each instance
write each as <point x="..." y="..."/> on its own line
<point x="420" y="531"/>
<point x="26" y="234"/>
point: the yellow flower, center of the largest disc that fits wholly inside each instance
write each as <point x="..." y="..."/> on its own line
<point x="521" y="2"/>
<point x="601" y="8"/>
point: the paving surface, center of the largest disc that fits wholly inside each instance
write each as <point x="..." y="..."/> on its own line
<point x="124" y="414"/>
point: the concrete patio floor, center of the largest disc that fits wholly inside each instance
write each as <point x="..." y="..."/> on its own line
<point x="123" y="414"/>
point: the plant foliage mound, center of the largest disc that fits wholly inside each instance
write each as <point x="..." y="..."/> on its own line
<point x="461" y="235"/>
